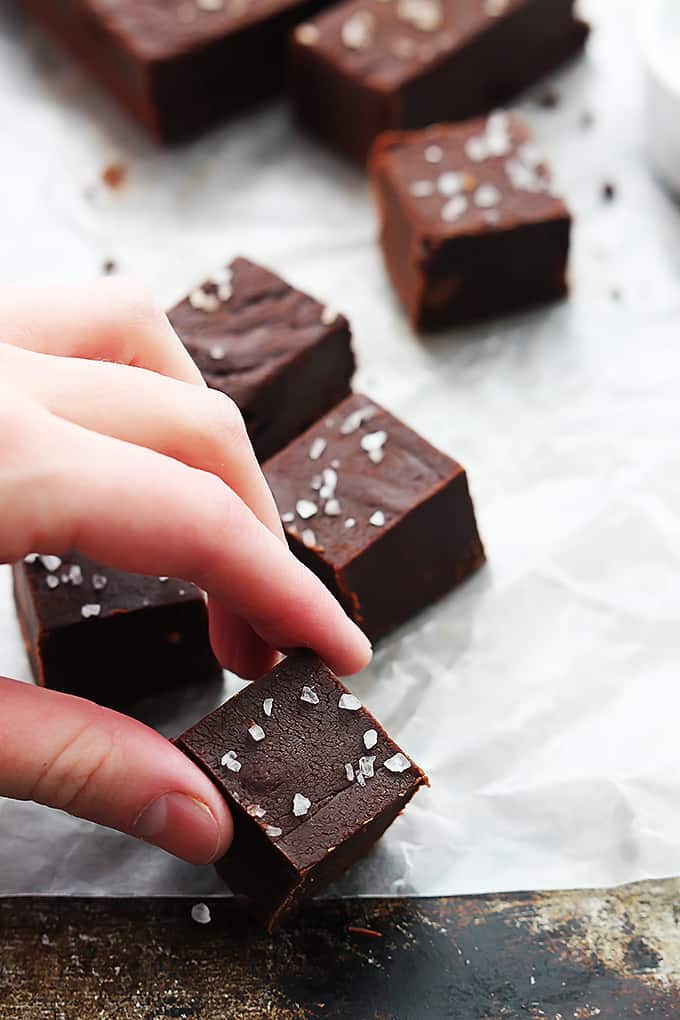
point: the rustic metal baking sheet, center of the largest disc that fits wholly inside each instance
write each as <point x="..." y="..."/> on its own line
<point x="544" y="696"/>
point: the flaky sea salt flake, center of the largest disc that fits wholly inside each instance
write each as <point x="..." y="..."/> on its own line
<point x="454" y="208"/>
<point x="90" y="609"/>
<point x="476" y="149"/>
<point x="332" y="508"/>
<point x="349" y="701"/>
<point x="307" y="34"/>
<point x="309" y="695"/>
<point x="267" y="706"/>
<point x="425" y="15"/>
<point x="256" y="732"/>
<point x="308" y="538"/>
<point x="487" y="196"/>
<point x="50" y="563"/>
<point x="306" y="509"/>
<point x="434" y="154"/>
<point x="398" y="763"/>
<point x="357" y="31"/>
<point x="328" y="316"/>
<point x="450" y="183"/>
<point x="377" y="519"/>
<point x="52" y="581"/>
<point x="230" y="761"/>
<point x="349" y="771"/>
<point x="273" y="831"/>
<point x="330" y="482"/>
<point x="301" y="805"/>
<point x="373" y="441"/>
<point x="75" y="575"/>
<point x="317" y="448"/>
<point x="366" y="765"/>
<point x="370" y="739"/>
<point x="203" y="302"/>
<point x="356" y="419"/>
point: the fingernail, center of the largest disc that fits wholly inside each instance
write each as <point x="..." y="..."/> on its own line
<point x="362" y="640"/>
<point x="182" y="825"/>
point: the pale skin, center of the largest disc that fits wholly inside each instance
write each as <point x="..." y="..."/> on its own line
<point x="110" y="443"/>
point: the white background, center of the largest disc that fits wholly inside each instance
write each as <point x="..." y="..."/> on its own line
<point x="543" y="697"/>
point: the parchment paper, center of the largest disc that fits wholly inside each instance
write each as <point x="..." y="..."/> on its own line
<point x="543" y="697"/>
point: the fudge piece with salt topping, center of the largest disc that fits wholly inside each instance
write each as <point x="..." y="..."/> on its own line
<point x="469" y="223"/>
<point x="178" y="66"/>
<point x="311" y="778"/>
<point x="283" y="357"/>
<point x="107" y="635"/>
<point x="368" y="66"/>
<point x="383" y="518"/>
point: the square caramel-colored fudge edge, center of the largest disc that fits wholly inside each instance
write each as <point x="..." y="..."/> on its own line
<point x="470" y="223"/>
<point x="311" y="778"/>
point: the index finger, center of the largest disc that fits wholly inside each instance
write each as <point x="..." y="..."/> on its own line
<point x="111" y="319"/>
<point x="62" y="486"/>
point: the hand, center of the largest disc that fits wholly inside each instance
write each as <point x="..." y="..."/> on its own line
<point x="110" y="443"/>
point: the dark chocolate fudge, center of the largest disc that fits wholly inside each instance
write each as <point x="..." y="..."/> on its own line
<point x="383" y="518"/>
<point x="178" y="65"/>
<point x="368" y="66"/>
<point x="110" y="636"/>
<point x="469" y="223"/>
<point x="283" y="357"/>
<point x="311" y="778"/>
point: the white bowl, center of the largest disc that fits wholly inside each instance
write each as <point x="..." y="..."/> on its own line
<point x="660" y="34"/>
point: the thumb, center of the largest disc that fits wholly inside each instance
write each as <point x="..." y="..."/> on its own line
<point x="74" y="755"/>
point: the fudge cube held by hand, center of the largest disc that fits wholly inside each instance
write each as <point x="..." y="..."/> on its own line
<point x="107" y="635"/>
<point x="311" y="778"/>
<point x="281" y="356"/>
<point x="381" y="516"/>
<point x="469" y="223"/>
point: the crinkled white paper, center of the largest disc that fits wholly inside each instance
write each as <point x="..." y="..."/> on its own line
<point x="543" y="697"/>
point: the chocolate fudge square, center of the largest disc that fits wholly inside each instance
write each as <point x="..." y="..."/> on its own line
<point x="367" y="66"/>
<point x="178" y="66"/>
<point x="107" y="635"/>
<point x="311" y="778"/>
<point x="383" y="518"/>
<point x="283" y="357"/>
<point x="469" y="223"/>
